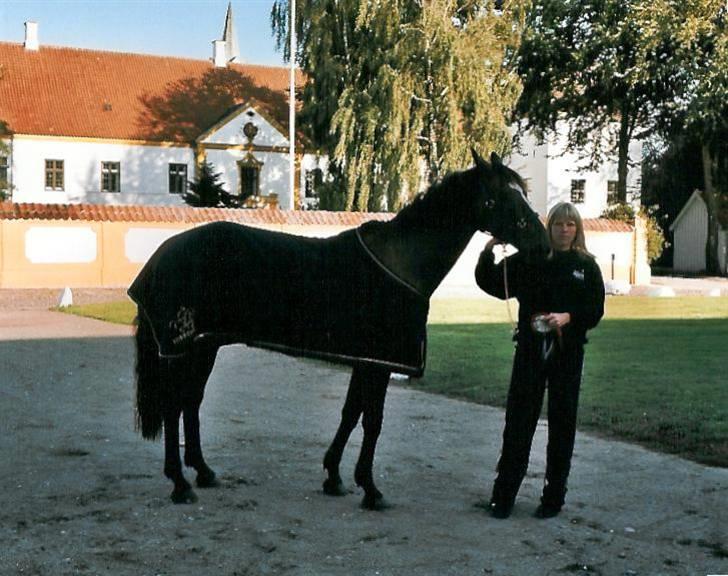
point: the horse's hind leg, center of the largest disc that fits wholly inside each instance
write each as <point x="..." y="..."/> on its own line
<point x="333" y="485"/>
<point x="203" y="360"/>
<point x="182" y="493"/>
<point x="374" y="391"/>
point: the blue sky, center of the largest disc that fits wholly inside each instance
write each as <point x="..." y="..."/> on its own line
<point x="184" y="28"/>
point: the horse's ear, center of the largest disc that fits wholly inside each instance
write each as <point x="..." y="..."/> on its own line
<point x="495" y="159"/>
<point x="477" y="159"/>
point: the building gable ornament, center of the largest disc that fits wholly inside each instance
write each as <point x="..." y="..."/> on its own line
<point x="250" y="130"/>
<point x="244" y="114"/>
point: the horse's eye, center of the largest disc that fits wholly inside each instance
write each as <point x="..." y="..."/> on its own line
<point x="521" y="223"/>
<point x="489" y="203"/>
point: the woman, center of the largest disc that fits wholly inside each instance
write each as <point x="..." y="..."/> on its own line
<point x="560" y="298"/>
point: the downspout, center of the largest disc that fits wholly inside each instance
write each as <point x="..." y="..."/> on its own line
<point x="12" y="168"/>
<point x="292" y="111"/>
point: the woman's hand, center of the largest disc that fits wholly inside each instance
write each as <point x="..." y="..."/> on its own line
<point x="558" y="319"/>
<point x="492" y="242"/>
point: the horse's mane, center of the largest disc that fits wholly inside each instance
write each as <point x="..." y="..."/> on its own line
<point x="447" y="201"/>
<point x="438" y="206"/>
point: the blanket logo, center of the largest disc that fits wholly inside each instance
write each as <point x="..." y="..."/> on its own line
<point x="183" y="326"/>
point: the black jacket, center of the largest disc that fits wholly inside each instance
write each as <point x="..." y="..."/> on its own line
<point x="565" y="282"/>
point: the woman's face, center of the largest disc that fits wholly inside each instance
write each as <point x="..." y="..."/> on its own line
<point x="563" y="233"/>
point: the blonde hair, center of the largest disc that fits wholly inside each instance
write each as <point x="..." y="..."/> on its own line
<point x="567" y="211"/>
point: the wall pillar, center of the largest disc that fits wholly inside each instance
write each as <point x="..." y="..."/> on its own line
<point x="641" y="272"/>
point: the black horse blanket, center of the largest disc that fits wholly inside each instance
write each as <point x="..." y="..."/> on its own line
<point x="323" y="298"/>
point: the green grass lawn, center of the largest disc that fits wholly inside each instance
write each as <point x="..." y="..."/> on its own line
<point x="653" y="372"/>
<point x="116" y="312"/>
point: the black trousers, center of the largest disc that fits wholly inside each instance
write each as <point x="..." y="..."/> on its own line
<point x="530" y="376"/>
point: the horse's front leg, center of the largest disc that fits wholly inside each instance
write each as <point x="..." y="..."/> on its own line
<point x="333" y="486"/>
<point x="374" y="391"/>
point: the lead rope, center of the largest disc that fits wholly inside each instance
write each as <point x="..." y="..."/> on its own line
<point x="505" y="289"/>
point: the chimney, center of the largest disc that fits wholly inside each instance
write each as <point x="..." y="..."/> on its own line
<point x="31" y="36"/>
<point x="218" y="54"/>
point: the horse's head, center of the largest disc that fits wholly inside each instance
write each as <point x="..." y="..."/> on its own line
<point x="502" y="208"/>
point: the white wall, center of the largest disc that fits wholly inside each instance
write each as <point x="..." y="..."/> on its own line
<point x="144" y="171"/>
<point x="232" y="131"/>
<point x="273" y="173"/>
<point x="275" y="169"/>
<point x="690" y="237"/>
<point x="550" y="171"/>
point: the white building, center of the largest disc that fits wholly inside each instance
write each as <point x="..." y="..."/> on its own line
<point x="690" y="229"/>
<point x="554" y="175"/>
<point x="87" y="126"/>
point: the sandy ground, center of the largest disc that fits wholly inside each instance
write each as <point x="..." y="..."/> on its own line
<point x="81" y="493"/>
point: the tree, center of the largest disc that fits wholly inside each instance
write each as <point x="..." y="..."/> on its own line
<point x="192" y="104"/>
<point x="208" y="192"/>
<point x="694" y="37"/>
<point x="401" y="87"/>
<point x="579" y="60"/>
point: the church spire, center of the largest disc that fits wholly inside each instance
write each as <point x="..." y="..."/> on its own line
<point x="232" y="53"/>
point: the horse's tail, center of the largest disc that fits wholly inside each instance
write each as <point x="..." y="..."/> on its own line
<point x="148" y="381"/>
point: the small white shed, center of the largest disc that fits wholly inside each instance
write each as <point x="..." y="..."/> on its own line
<point x="690" y="234"/>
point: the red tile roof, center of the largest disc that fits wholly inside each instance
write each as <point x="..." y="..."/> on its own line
<point x="90" y="93"/>
<point x="184" y="214"/>
<point x="605" y="225"/>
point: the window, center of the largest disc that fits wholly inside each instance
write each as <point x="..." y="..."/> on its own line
<point x="177" y="178"/>
<point x="3" y="175"/>
<point x="314" y="178"/>
<point x="249" y="181"/>
<point x="577" y="191"/>
<point x="54" y="174"/>
<point x="249" y="170"/>
<point x="611" y="192"/>
<point x="110" y="177"/>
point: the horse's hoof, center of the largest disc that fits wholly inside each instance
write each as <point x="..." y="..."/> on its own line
<point x="184" y="496"/>
<point x="207" y="480"/>
<point x="375" y="502"/>
<point x="334" y="488"/>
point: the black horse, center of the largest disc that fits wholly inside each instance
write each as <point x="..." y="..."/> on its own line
<point x="359" y="298"/>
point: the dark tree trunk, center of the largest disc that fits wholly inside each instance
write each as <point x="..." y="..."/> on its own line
<point x="712" y="263"/>
<point x="623" y="156"/>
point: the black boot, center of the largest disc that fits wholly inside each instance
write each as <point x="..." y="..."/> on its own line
<point x="501" y="502"/>
<point x="501" y="509"/>
<point x="551" y="502"/>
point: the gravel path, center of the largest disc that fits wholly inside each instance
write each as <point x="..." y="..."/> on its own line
<point x="82" y="494"/>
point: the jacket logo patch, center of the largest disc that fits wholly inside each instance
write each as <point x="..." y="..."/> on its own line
<point x="183" y="326"/>
<point x="578" y="274"/>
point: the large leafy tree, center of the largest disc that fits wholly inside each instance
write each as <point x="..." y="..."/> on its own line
<point x="692" y="37"/>
<point x="580" y="62"/>
<point x="398" y="89"/>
